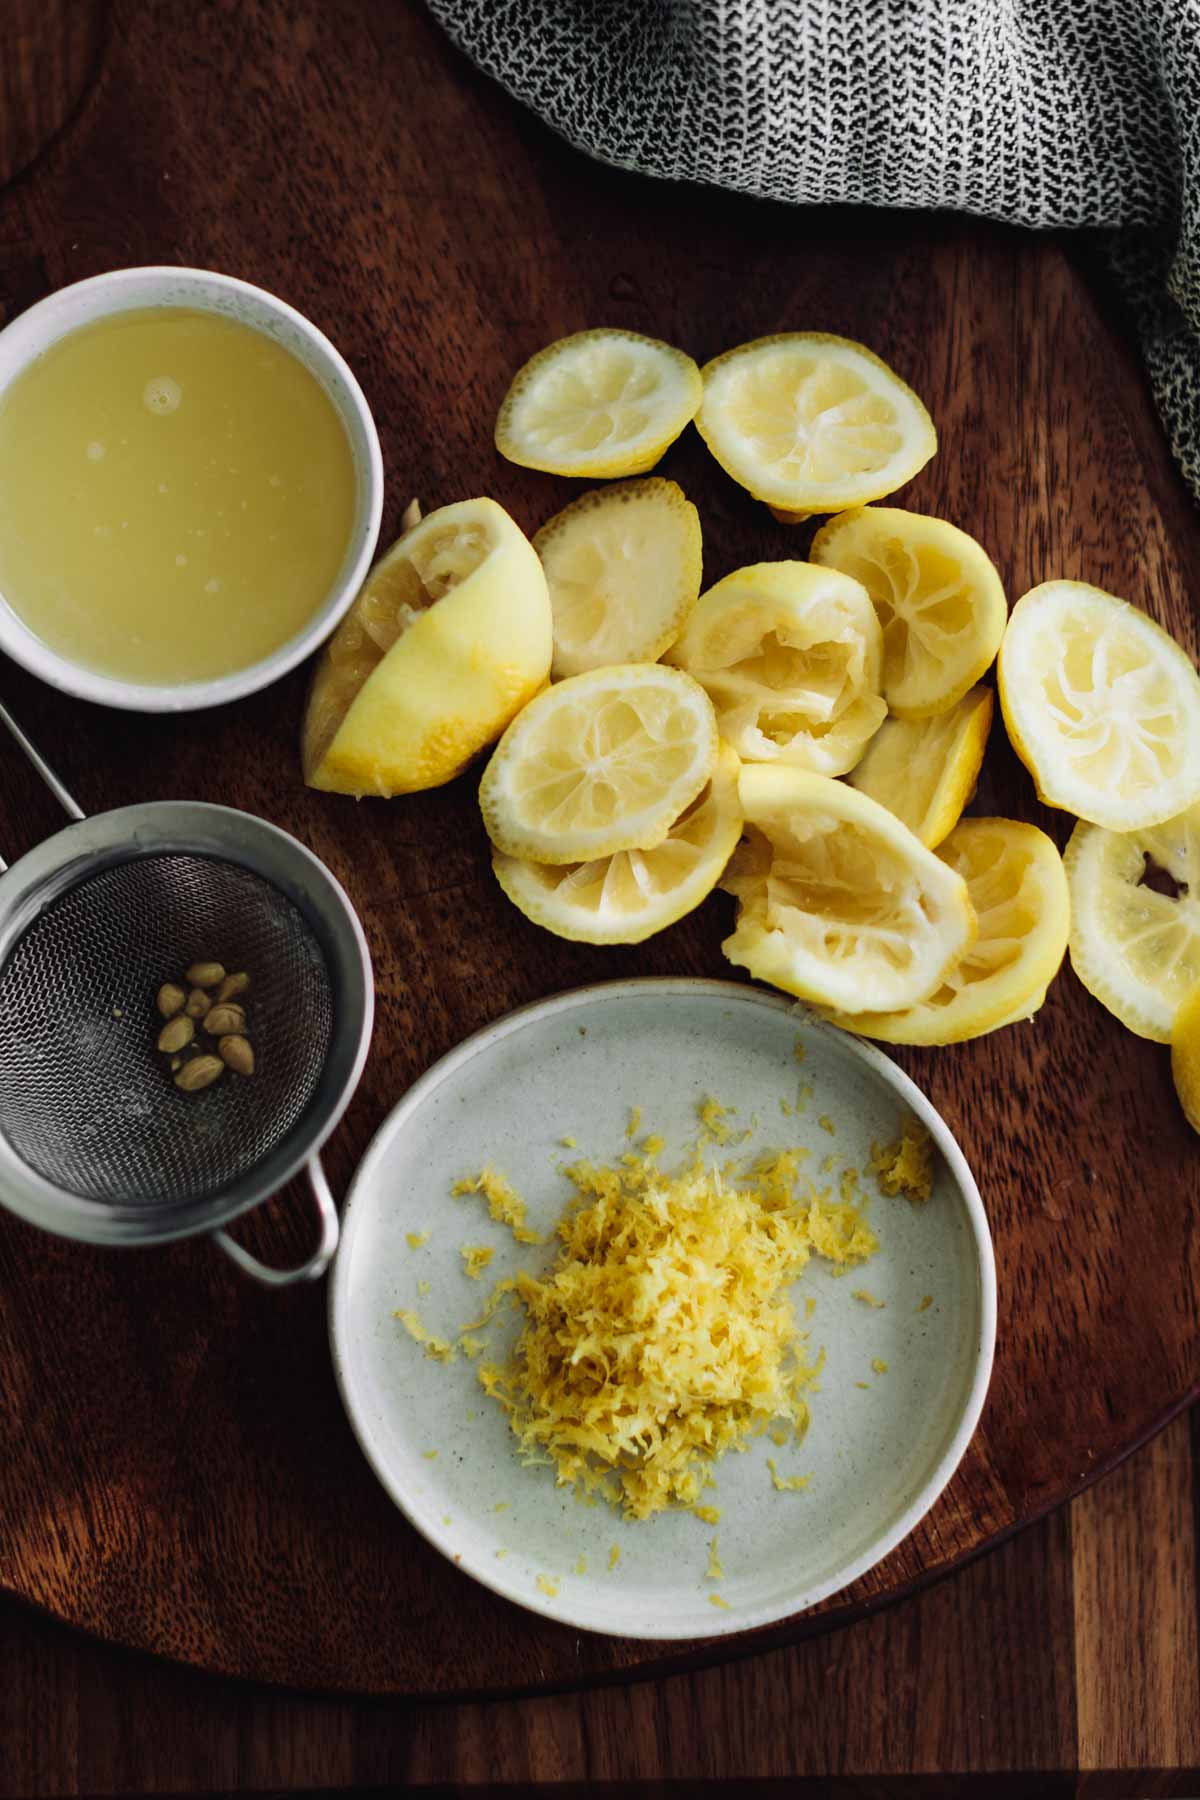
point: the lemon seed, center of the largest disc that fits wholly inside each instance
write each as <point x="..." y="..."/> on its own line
<point x="232" y="986"/>
<point x="206" y="974"/>
<point x="198" y="1003"/>
<point x="175" y="1034"/>
<point x="237" y="1053"/>
<point x="201" y="1072"/>
<point x="220" y="1020"/>
<point x="170" y="999"/>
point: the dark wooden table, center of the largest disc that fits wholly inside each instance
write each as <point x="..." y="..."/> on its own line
<point x="155" y="1410"/>
<point x="1064" y="1663"/>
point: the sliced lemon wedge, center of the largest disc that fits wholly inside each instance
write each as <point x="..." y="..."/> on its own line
<point x="623" y="568"/>
<point x="449" y="637"/>
<point x="1185" y="1057"/>
<point x="838" y="902"/>
<point x="1102" y="707"/>
<point x="599" y="763"/>
<point x="939" y="598"/>
<point x="604" y="402"/>
<point x="790" y="657"/>
<point x="812" y="423"/>
<point x="925" y="770"/>
<point x="626" y="898"/>
<point x="1135" y="932"/>
<point x="1018" y="888"/>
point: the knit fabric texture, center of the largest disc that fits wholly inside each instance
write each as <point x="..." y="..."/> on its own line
<point x="1037" y="112"/>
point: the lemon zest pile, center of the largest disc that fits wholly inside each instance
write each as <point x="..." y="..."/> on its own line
<point x="906" y="1166"/>
<point x="435" y="1347"/>
<point x="504" y="1203"/>
<point x="663" y="1336"/>
<point x="476" y="1258"/>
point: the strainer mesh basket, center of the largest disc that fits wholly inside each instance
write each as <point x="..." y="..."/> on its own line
<point x="86" y="1100"/>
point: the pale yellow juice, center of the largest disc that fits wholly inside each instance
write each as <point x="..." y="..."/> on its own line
<point x="176" y="495"/>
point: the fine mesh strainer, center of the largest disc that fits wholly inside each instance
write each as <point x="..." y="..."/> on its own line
<point x="96" y="1142"/>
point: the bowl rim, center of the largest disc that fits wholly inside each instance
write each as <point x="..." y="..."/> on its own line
<point x="340" y="1309"/>
<point x="26" y="648"/>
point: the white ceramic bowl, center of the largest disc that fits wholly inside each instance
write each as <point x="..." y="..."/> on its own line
<point x="883" y="1443"/>
<point x="121" y="291"/>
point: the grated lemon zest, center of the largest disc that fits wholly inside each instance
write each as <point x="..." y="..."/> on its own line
<point x="663" y="1336"/>
<point x="417" y="1238"/>
<point x="906" y="1166"/>
<point x="786" y="1484"/>
<point x="476" y="1258"/>
<point x="434" y="1347"/>
<point x="504" y="1203"/>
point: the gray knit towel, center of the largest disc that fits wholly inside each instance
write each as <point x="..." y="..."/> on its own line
<point x="1038" y="112"/>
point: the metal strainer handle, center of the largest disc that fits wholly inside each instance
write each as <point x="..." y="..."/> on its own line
<point x="62" y="794"/>
<point x="321" y="1257"/>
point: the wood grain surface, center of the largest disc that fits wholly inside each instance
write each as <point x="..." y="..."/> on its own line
<point x="1064" y="1664"/>
<point x="175" y="1472"/>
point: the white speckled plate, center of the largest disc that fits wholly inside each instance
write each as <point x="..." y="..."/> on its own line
<point x="881" y="1446"/>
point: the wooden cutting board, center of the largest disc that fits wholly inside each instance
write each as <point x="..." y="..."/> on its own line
<point x="175" y="1471"/>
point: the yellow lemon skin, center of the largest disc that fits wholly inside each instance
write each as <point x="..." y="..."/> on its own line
<point x="925" y="770"/>
<point x="461" y="669"/>
<point x="1018" y="888"/>
<point x="839" y="903"/>
<point x="1185" y="1057"/>
<point x="626" y="898"/>
<point x="1101" y="705"/>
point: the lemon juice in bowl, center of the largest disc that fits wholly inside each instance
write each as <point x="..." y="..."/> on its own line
<point x="177" y="495"/>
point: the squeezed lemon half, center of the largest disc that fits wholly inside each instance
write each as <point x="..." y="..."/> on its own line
<point x="1135" y="933"/>
<point x="1018" y="889"/>
<point x="623" y="568"/>
<point x="812" y="423"/>
<point x="449" y="637"/>
<point x="1185" y="1057"/>
<point x="1102" y="707"/>
<point x="601" y="762"/>
<point x="939" y="598"/>
<point x="839" y="903"/>
<point x="603" y="402"/>
<point x="626" y="898"/>
<point x="790" y="656"/>
<point x="925" y="770"/>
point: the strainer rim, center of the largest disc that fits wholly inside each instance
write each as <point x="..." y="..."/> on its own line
<point x="199" y="828"/>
